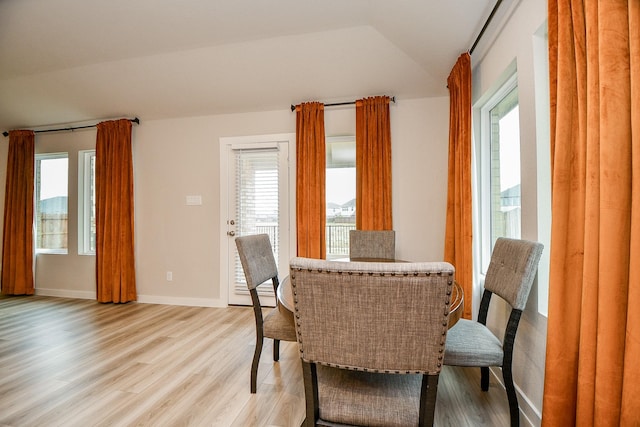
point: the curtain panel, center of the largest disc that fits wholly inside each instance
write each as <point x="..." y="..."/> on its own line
<point x="458" y="232"/>
<point x="373" y="164"/>
<point x="115" y="264"/>
<point x="310" y="180"/>
<point x="592" y="373"/>
<point x="17" y="242"/>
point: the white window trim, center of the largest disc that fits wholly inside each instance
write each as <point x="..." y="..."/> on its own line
<point x="485" y="168"/>
<point x="543" y="152"/>
<point x="84" y="202"/>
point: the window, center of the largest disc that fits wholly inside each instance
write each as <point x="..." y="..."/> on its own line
<point x="257" y="200"/>
<point x="340" y="194"/>
<point x="500" y="168"/>
<point x="505" y="168"/>
<point x="86" y="202"/>
<point x="51" y="202"/>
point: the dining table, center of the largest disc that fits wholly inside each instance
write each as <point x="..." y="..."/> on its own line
<point x="286" y="301"/>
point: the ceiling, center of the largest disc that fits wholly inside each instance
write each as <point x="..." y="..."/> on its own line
<point x="72" y="61"/>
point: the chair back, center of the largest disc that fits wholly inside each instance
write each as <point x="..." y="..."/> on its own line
<point x="512" y="268"/>
<point x="369" y="316"/>
<point x="256" y="257"/>
<point x="372" y="244"/>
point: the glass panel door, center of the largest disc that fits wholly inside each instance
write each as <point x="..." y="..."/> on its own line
<point x="257" y="203"/>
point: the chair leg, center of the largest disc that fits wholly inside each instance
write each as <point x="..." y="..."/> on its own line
<point x="310" y="379"/>
<point x="276" y="350"/>
<point x="428" y="396"/>
<point x="484" y="378"/>
<point x="254" y="364"/>
<point x="514" y="409"/>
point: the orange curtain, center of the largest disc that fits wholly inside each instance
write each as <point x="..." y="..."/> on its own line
<point x="115" y="265"/>
<point x="310" y="180"/>
<point x="373" y="164"/>
<point x="17" y="243"/>
<point x="592" y="373"/>
<point x="459" y="232"/>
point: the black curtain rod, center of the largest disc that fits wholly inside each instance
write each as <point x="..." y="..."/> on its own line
<point x="336" y="104"/>
<point x="484" y="27"/>
<point x="135" y="120"/>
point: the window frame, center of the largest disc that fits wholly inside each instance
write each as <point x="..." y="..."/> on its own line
<point x="85" y="201"/>
<point x="543" y="159"/>
<point x="486" y="245"/>
<point x="38" y="159"/>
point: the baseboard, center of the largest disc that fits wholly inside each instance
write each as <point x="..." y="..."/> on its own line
<point x="144" y="299"/>
<point x="190" y="302"/>
<point x="530" y="415"/>
<point x="66" y="293"/>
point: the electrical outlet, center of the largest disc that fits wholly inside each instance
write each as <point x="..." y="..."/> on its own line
<point x="169" y="276"/>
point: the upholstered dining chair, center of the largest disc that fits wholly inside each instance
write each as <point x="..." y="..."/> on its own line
<point x="371" y="337"/>
<point x="372" y="244"/>
<point x="511" y="271"/>
<point x="259" y="265"/>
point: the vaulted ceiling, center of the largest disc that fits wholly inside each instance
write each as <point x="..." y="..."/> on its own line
<point x="68" y="61"/>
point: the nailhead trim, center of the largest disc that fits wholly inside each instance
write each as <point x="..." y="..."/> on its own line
<point x="445" y="323"/>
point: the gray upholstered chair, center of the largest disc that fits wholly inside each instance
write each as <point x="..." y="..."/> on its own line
<point x="371" y="337"/>
<point x="259" y="265"/>
<point x="510" y="274"/>
<point x="372" y="244"/>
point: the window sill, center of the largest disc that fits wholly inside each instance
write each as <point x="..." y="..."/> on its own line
<point x="52" y="251"/>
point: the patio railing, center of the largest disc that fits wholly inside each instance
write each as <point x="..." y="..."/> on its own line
<point x="337" y="238"/>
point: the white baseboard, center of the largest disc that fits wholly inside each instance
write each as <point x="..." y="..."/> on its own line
<point x="66" y="293"/>
<point x="527" y="408"/>
<point x="144" y="299"/>
<point x="190" y="302"/>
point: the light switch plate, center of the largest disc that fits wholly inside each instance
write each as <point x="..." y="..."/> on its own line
<point x="194" y="200"/>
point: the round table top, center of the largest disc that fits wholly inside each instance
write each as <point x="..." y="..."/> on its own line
<point x="285" y="294"/>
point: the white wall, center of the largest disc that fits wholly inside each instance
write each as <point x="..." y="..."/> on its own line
<point x="516" y="42"/>
<point x="420" y="147"/>
<point x="179" y="157"/>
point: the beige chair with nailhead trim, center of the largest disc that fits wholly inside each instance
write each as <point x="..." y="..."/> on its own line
<point x="372" y="244"/>
<point x="371" y="337"/>
<point x="259" y="265"/>
<point x="511" y="272"/>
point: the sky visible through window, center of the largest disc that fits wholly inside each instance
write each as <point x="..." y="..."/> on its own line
<point x="340" y="185"/>
<point x="509" y="150"/>
<point x="53" y="178"/>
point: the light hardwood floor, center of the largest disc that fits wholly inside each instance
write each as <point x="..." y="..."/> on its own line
<point x="69" y="362"/>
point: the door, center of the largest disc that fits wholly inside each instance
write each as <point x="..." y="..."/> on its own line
<point x="257" y="201"/>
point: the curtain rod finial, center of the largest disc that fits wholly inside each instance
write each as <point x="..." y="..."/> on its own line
<point x="293" y="108"/>
<point x="5" y="133"/>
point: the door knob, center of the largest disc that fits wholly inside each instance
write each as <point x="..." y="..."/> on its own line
<point x="231" y="233"/>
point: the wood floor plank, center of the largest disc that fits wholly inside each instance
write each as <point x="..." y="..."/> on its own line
<point x="68" y="362"/>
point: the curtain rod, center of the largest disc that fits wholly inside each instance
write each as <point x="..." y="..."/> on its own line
<point x="484" y="27"/>
<point x="134" y="120"/>
<point x="336" y="104"/>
